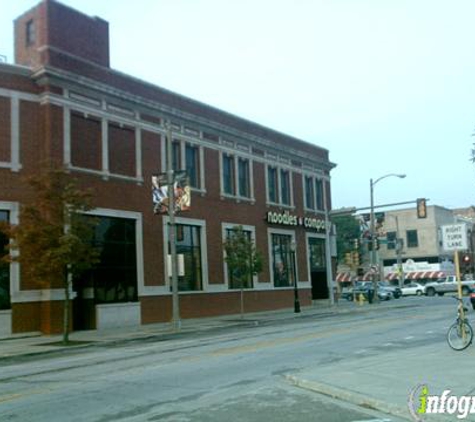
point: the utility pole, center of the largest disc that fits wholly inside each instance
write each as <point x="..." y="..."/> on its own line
<point x="176" y="321"/>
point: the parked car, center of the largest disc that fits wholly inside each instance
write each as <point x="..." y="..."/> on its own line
<point x="449" y="285"/>
<point x="365" y="289"/>
<point x="395" y="290"/>
<point x="413" y="289"/>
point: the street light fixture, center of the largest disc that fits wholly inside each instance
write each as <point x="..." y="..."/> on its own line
<point x="293" y="248"/>
<point x="375" y="268"/>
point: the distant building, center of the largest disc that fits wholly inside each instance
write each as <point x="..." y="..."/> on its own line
<point x="61" y="102"/>
<point x="422" y="254"/>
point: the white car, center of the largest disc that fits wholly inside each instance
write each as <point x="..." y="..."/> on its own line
<point x="413" y="289"/>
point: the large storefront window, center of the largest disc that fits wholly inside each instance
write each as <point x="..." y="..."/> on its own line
<point x="4" y="268"/>
<point x="188" y="243"/>
<point x="282" y="260"/>
<point x="235" y="280"/>
<point x="114" y="278"/>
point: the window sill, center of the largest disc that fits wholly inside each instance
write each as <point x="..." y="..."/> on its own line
<point x="283" y="206"/>
<point x="238" y="199"/>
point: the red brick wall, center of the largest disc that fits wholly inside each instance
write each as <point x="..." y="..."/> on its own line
<point x="158" y="309"/>
<point x="63" y="28"/>
<point x="86" y="142"/>
<point x="26" y="317"/>
<point x="121" y="150"/>
<point x="5" y="135"/>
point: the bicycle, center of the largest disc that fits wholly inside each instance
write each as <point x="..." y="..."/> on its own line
<point x="460" y="333"/>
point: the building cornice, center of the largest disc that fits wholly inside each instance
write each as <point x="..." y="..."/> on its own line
<point x="54" y="76"/>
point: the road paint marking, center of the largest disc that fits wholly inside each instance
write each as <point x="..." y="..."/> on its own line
<point x="388" y="344"/>
<point x="409" y="338"/>
<point x="360" y="352"/>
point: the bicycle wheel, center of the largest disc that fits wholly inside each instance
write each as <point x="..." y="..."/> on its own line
<point x="460" y="335"/>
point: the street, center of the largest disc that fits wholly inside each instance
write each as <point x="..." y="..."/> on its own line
<point x="246" y="373"/>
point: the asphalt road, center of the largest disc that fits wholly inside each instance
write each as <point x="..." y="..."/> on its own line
<point x="217" y="376"/>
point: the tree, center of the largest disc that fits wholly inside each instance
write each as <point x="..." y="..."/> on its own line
<point x="347" y="229"/>
<point x="52" y="241"/>
<point x="242" y="258"/>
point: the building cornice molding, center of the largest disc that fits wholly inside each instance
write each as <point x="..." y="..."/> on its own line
<point x="48" y="75"/>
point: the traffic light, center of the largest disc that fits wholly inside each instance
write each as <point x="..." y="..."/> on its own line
<point x="348" y="259"/>
<point x="466" y="259"/>
<point x="421" y="208"/>
<point x="356" y="259"/>
<point x="356" y="244"/>
<point x="376" y="243"/>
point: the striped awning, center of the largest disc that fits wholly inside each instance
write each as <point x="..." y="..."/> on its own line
<point x="368" y="276"/>
<point x="343" y="276"/>
<point x="417" y="275"/>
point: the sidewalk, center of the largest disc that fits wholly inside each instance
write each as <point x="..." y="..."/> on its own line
<point x="385" y="382"/>
<point x="37" y="344"/>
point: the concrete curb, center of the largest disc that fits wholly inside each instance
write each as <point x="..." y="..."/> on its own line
<point x="350" y="397"/>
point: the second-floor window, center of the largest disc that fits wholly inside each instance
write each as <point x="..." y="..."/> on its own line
<point x="285" y="187"/>
<point x="228" y="174"/>
<point x="309" y="193"/>
<point x="319" y="194"/>
<point x="192" y="165"/>
<point x="244" y="178"/>
<point x="236" y="176"/>
<point x="412" y="240"/>
<point x="189" y="157"/>
<point x="272" y="185"/>
<point x="391" y="237"/>
<point x="314" y="195"/>
<point x="279" y="186"/>
<point x="176" y="156"/>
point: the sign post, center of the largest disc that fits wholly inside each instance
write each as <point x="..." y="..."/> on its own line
<point x="454" y="238"/>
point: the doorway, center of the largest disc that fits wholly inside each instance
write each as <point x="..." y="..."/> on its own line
<point x="318" y="270"/>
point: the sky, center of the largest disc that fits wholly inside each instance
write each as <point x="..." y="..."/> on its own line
<point x="386" y="86"/>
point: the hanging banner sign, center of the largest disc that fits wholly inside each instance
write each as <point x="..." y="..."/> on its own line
<point x="181" y="188"/>
<point x="454" y="237"/>
<point x="287" y="219"/>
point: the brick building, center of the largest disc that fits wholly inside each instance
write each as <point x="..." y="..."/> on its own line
<point x="62" y="102"/>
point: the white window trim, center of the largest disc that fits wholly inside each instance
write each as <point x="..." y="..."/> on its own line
<point x="105" y="171"/>
<point x="15" y="97"/>
<point x="130" y="215"/>
<point x="105" y="147"/>
<point x="252" y="230"/>
<point x="314" y="179"/>
<point x="279" y="169"/>
<point x="204" y="253"/>
<point x="290" y="233"/>
<point x="306" y="176"/>
<point x="236" y="195"/>
<point x="14" y="213"/>
<point x="182" y="145"/>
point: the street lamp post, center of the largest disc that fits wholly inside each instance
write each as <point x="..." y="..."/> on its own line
<point x="373" y="257"/>
<point x="176" y="321"/>
<point x="293" y="248"/>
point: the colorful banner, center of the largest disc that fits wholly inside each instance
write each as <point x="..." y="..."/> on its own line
<point x="182" y="192"/>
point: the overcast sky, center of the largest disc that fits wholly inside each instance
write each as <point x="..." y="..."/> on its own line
<point x="387" y="86"/>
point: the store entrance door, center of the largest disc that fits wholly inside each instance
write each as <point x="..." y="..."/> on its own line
<point x="317" y="265"/>
<point x="84" y="308"/>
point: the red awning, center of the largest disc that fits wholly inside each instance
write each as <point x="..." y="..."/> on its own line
<point x="417" y="275"/>
<point x="342" y="277"/>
